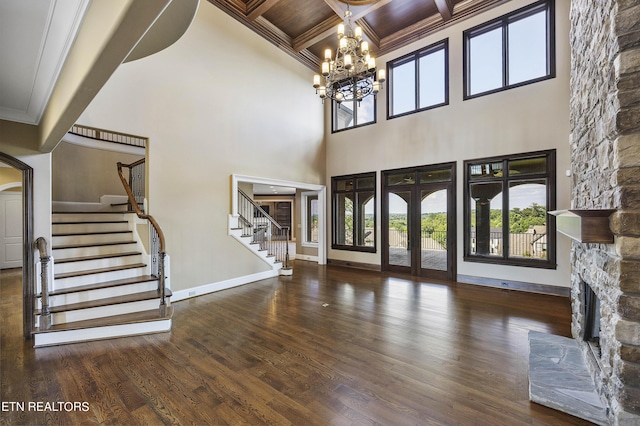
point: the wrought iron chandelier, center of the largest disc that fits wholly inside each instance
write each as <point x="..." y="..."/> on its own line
<point x="351" y="75"/>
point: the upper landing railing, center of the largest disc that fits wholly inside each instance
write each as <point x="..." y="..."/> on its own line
<point x="108" y="136"/>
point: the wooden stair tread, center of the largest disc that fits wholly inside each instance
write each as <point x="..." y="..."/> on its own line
<point x="132" y="318"/>
<point x="127" y="298"/>
<point x="90" y="212"/>
<point x="89" y="222"/>
<point x="68" y="234"/>
<point x="99" y="271"/>
<point x="97" y="256"/>
<point x="69" y="246"/>
<point x="103" y="284"/>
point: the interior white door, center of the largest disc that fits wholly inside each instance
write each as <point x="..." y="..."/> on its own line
<point x="10" y="230"/>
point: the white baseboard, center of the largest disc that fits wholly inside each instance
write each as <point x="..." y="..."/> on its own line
<point x="222" y="285"/>
<point x="306" y="257"/>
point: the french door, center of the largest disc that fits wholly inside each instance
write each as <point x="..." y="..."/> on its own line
<point x="419" y="216"/>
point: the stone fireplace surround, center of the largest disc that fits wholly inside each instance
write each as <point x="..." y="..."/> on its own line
<point x="605" y="169"/>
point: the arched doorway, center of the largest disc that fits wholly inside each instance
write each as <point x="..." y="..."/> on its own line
<point x="28" y="278"/>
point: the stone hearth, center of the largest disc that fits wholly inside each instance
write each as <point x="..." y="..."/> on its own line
<point x="560" y="379"/>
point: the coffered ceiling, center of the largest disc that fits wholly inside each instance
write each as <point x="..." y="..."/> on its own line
<point x="304" y="28"/>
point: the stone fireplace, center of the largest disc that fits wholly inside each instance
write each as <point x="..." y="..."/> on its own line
<point x="605" y="168"/>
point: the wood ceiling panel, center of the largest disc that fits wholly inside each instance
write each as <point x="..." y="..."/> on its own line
<point x="294" y="17"/>
<point x="317" y="49"/>
<point x="400" y="14"/>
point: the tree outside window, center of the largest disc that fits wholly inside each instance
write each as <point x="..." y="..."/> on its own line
<point x="353" y="210"/>
<point x="506" y="205"/>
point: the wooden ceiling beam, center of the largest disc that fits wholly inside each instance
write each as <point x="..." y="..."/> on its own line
<point x="319" y="32"/>
<point x="359" y="12"/>
<point x="335" y="6"/>
<point x="374" y="38"/>
<point x="257" y="8"/>
<point x="445" y="7"/>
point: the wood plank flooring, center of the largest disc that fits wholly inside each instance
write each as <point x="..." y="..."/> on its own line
<point x="326" y="346"/>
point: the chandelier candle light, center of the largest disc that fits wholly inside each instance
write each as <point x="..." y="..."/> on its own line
<point x="351" y="75"/>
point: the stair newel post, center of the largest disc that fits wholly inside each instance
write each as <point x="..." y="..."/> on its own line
<point x="286" y="241"/>
<point x="45" y="313"/>
<point x="161" y="277"/>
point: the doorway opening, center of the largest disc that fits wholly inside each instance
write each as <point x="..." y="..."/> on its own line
<point x="418" y="225"/>
<point x="28" y="276"/>
<point x="289" y="211"/>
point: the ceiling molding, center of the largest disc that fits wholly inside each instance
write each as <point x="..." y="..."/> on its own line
<point x="257" y="8"/>
<point x="32" y="63"/>
<point x="374" y="39"/>
<point x="316" y="34"/>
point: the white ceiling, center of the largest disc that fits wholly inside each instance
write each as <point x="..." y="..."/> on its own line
<point x="35" y="38"/>
<point x="259" y="189"/>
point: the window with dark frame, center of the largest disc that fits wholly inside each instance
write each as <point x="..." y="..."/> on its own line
<point x="350" y="114"/>
<point x="511" y="51"/>
<point x="506" y="202"/>
<point x="353" y="212"/>
<point x="419" y="81"/>
<point x="310" y="219"/>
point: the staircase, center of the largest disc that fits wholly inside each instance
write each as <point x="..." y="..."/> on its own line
<point x="260" y="233"/>
<point x="101" y="284"/>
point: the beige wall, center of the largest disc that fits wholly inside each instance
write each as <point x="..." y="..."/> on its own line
<point x="219" y="101"/>
<point x="10" y="175"/>
<point x="529" y="118"/>
<point x="82" y="174"/>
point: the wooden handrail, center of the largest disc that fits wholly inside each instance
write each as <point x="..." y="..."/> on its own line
<point x="134" y="203"/>
<point x="141" y="215"/>
<point x="260" y="209"/>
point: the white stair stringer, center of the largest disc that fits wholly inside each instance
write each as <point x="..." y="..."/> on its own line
<point x="236" y="233"/>
<point x="100" y="282"/>
<point x="98" y="333"/>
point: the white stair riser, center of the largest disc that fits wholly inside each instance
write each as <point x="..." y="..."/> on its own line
<point x="91" y="238"/>
<point x="96" y="333"/>
<point x="64" y="283"/>
<point x="85" y="265"/>
<point x="93" y="250"/>
<point x="79" y="228"/>
<point x="103" y="293"/>
<point x="104" y="311"/>
<point x="80" y="217"/>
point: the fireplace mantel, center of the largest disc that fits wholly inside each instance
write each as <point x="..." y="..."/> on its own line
<point x="585" y="226"/>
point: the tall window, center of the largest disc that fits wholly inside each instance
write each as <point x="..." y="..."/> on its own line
<point x="353" y="208"/>
<point x="505" y="204"/>
<point x="310" y="219"/>
<point x="511" y="51"/>
<point x="419" y="80"/>
<point x="347" y="115"/>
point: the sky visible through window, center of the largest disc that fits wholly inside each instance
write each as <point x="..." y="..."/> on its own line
<point x="527" y="53"/>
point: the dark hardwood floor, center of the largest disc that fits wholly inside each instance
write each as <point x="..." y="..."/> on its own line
<point x="327" y="346"/>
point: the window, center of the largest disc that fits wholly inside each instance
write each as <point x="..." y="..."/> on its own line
<point x="505" y="205"/>
<point x="511" y="51"/>
<point x="347" y="115"/>
<point x="353" y="218"/>
<point x="419" y="80"/>
<point x="310" y="219"/>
